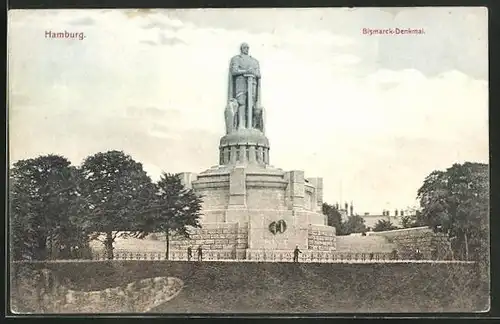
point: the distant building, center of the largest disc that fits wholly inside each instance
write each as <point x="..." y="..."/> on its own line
<point x="394" y="217"/>
<point x="371" y="219"/>
<point x="346" y="210"/>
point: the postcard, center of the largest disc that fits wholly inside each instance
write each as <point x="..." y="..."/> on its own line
<point x="248" y="161"/>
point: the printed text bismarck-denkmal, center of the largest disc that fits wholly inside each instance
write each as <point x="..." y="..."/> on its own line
<point x="392" y="31"/>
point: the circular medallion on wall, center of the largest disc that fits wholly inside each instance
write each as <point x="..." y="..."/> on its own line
<point x="278" y="227"/>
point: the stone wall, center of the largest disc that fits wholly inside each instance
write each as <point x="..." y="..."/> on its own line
<point x="265" y="198"/>
<point x="214" y="197"/>
<point x="227" y="240"/>
<point x="260" y="237"/>
<point x="308" y="201"/>
<point x="321" y="238"/>
<point x="363" y="244"/>
<point x="311" y="217"/>
<point x="431" y="245"/>
<point x="255" y="188"/>
<point x="42" y="292"/>
<point x="258" y="197"/>
<point x="214" y="216"/>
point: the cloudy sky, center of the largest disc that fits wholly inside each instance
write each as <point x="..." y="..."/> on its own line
<point x="373" y="115"/>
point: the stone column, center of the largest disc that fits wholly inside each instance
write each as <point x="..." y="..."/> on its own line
<point x="317" y="201"/>
<point x="297" y="189"/>
<point x="233" y="154"/>
<point x="242" y="153"/>
<point x="314" y="199"/>
<point x="260" y="153"/>
<point x="319" y="192"/>
<point x="252" y="154"/>
<point x="266" y="156"/>
<point x="226" y="155"/>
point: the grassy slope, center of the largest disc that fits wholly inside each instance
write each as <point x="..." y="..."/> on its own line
<point x="285" y="287"/>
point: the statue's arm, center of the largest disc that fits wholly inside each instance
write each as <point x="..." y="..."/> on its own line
<point x="235" y="67"/>
<point x="257" y="70"/>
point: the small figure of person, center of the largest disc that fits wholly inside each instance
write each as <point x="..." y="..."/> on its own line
<point x="394" y="254"/>
<point x="190" y="253"/>
<point x="418" y="254"/>
<point x="200" y="253"/>
<point x="296" y="254"/>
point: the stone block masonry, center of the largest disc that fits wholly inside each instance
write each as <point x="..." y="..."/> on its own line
<point x="237" y="187"/>
<point x="321" y="238"/>
<point x="246" y="200"/>
<point x="432" y="245"/>
<point x="223" y="240"/>
<point x="266" y="198"/>
<point x="230" y="241"/>
<point x="43" y="292"/>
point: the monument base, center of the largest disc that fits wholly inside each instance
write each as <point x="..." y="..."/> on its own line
<point x="253" y="207"/>
<point x="232" y="241"/>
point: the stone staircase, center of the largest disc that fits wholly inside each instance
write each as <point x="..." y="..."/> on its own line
<point x="363" y="244"/>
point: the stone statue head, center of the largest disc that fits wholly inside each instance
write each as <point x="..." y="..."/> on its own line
<point x="244" y="48"/>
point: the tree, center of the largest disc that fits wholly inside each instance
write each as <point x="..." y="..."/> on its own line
<point x="333" y="216"/>
<point x="406" y="221"/>
<point x="384" y="225"/>
<point x="177" y="209"/>
<point x="43" y="200"/>
<point x="456" y="202"/>
<point x="118" y="196"/>
<point x="354" y="224"/>
<point x="413" y="220"/>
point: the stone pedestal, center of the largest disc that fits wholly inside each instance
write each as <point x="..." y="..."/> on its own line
<point x="266" y="209"/>
<point x="237" y="188"/>
<point x="247" y="146"/>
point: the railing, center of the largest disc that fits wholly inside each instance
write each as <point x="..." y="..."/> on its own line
<point x="307" y="256"/>
<point x="321" y="257"/>
<point x="174" y="255"/>
<point x="263" y="256"/>
<point x="128" y="255"/>
<point x="206" y="256"/>
<point x="258" y="256"/>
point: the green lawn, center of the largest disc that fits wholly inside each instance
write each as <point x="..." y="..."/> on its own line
<point x="244" y="287"/>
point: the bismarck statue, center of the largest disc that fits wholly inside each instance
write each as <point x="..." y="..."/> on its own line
<point x="244" y="91"/>
<point x="245" y="141"/>
<point x="260" y="210"/>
